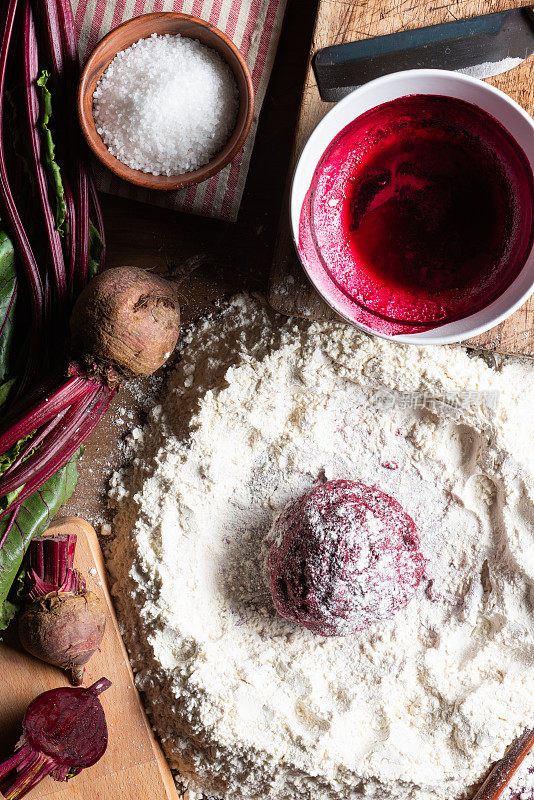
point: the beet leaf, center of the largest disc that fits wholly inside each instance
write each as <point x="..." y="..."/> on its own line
<point x="96" y="247"/>
<point x="49" y="151"/>
<point x="8" y="297"/>
<point x="33" y="518"/>
<point x="31" y="99"/>
<point x="8" y="458"/>
<point x="5" y="390"/>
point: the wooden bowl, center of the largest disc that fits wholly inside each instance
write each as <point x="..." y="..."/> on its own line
<point x="141" y="28"/>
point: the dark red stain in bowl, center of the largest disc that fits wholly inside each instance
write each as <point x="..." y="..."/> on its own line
<point x="420" y="211"/>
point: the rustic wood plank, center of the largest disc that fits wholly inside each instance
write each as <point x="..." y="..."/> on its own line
<point x="340" y="21"/>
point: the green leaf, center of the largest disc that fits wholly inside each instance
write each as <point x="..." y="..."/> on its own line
<point x="95" y="251"/>
<point x="5" y="389"/>
<point x="8" y="298"/>
<point x="11" y="455"/>
<point x="6" y="459"/>
<point x="34" y="518"/>
<point x="49" y="150"/>
<point x="14" y="601"/>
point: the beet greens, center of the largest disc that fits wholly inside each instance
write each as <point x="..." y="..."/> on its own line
<point x="124" y="322"/>
<point x="51" y="244"/>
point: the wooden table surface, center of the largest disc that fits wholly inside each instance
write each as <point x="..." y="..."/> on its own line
<point x="215" y="258"/>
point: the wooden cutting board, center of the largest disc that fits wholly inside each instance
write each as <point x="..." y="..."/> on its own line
<point x="133" y="767"/>
<point x="341" y="21"/>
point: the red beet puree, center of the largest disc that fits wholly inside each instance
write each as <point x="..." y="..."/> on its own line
<point x="420" y="212"/>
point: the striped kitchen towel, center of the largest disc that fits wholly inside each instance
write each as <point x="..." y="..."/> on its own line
<point x="254" y="25"/>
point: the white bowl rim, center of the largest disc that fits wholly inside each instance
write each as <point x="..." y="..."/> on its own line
<point x="432" y="336"/>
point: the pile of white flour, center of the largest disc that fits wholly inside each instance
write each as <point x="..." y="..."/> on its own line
<point x="252" y="707"/>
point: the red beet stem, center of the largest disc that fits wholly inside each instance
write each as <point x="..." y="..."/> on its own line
<point x="71" y="214"/>
<point x="83" y="172"/>
<point x="12" y="218"/>
<point x="50" y="446"/>
<point x="31" y="73"/>
<point x="46" y="409"/>
<point x="68" y="36"/>
<point x="89" y="423"/>
<point x="11" y="763"/>
<point x="58" y="25"/>
<point x="33" y="443"/>
<point x="51" y="567"/>
<point x="34" y="767"/>
<point x="26" y="763"/>
<point x="67" y="74"/>
<point x="53" y="35"/>
<point x="82" y="227"/>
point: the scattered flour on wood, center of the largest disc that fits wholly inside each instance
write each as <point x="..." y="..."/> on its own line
<point x="248" y="705"/>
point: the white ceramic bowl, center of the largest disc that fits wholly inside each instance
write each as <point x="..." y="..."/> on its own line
<point x="419" y="81"/>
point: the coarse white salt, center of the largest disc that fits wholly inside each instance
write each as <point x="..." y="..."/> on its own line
<point x="166" y="105"/>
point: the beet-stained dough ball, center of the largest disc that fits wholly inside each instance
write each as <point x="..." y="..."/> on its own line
<point x="344" y="557"/>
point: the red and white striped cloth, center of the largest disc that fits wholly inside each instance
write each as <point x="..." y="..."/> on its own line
<point x="254" y="26"/>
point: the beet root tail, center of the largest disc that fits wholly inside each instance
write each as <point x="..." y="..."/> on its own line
<point x="100" y="686"/>
<point x="76" y="674"/>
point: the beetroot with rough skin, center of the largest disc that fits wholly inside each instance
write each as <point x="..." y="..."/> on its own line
<point x="125" y="323"/>
<point x="64" y="731"/>
<point x="63" y="623"/>
<point x="345" y="556"/>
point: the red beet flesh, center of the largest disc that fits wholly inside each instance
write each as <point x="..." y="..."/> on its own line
<point x="64" y="731"/>
<point x="345" y="556"/>
<point x="68" y="725"/>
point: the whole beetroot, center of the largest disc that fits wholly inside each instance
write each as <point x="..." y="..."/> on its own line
<point x="127" y="321"/>
<point x="63" y="623"/>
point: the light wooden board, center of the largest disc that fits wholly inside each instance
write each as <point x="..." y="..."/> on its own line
<point x="133" y="767"/>
<point x="344" y="21"/>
